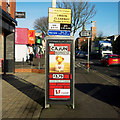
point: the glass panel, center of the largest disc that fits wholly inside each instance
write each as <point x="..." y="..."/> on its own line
<point x="114" y="57"/>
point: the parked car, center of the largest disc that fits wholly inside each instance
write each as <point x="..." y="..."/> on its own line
<point x="76" y="52"/>
<point x="112" y="59"/>
<point x="86" y="54"/>
<point x="81" y="54"/>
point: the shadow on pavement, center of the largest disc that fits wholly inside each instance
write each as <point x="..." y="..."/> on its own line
<point x="116" y="76"/>
<point x="34" y="92"/>
<point x="106" y="93"/>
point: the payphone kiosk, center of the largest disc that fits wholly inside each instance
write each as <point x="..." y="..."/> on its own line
<point x="60" y="71"/>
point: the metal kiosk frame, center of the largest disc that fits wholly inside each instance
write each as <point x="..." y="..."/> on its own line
<point x="67" y="41"/>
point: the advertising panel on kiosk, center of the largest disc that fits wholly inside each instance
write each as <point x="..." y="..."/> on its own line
<point x="59" y="70"/>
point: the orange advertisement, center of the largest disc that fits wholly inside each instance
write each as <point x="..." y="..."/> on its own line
<point x="59" y="58"/>
<point x="31" y="36"/>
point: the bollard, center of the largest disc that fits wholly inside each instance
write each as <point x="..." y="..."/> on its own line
<point x="88" y="67"/>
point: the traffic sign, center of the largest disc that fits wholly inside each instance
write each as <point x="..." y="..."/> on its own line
<point x="65" y="27"/>
<point x="61" y="33"/>
<point x="59" y="26"/>
<point x="59" y="15"/>
<point x="86" y="33"/>
<point x="59" y="21"/>
<point x="20" y="14"/>
<point x="54" y="26"/>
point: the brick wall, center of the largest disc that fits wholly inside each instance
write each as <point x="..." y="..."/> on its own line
<point x="12" y="8"/>
<point x="1" y="49"/>
<point x="4" y="6"/>
<point x="82" y="39"/>
<point x="94" y="32"/>
<point x="1" y="46"/>
<point x="10" y="46"/>
<point x="9" y="52"/>
<point x="0" y="3"/>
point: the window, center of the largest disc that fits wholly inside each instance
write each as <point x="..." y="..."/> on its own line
<point x="114" y="56"/>
<point x="107" y="48"/>
<point x="8" y="6"/>
<point x="106" y="57"/>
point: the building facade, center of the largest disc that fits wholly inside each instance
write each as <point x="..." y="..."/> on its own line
<point x="21" y="41"/>
<point x="7" y="35"/>
<point x="83" y="40"/>
<point x="93" y="30"/>
<point x="80" y="42"/>
<point x="113" y="37"/>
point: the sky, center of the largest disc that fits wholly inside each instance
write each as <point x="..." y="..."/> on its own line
<point x="106" y="16"/>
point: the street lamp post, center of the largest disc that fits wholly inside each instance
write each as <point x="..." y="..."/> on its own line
<point x="53" y="3"/>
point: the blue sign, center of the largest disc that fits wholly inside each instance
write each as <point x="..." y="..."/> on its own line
<point x="101" y="41"/>
<point x="62" y="33"/>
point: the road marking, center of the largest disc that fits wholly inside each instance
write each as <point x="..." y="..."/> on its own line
<point x="104" y="76"/>
<point x="78" y="65"/>
<point x="118" y="74"/>
<point x="107" y="78"/>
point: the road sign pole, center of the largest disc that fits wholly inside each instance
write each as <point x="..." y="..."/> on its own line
<point x="53" y="3"/>
<point x="88" y="56"/>
<point x="86" y="33"/>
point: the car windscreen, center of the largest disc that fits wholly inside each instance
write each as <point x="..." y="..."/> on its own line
<point x="107" y="48"/>
<point x="114" y="57"/>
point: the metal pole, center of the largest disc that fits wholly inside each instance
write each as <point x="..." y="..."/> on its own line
<point x="53" y="3"/>
<point x="39" y="65"/>
<point x="23" y="61"/>
<point x="88" y="56"/>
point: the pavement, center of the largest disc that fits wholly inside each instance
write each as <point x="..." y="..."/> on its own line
<point x="94" y="98"/>
<point x="23" y="97"/>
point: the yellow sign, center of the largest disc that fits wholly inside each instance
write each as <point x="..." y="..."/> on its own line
<point x="58" y="15"/>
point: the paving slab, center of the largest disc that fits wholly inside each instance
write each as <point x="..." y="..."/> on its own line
<point x="22" y="95"/>
<point x="95" y="97"/>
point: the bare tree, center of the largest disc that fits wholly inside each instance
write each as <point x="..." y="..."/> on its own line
<point x="100" y="34"/>
<point x="81" y="12"/>
<point x="41" y="25"/>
